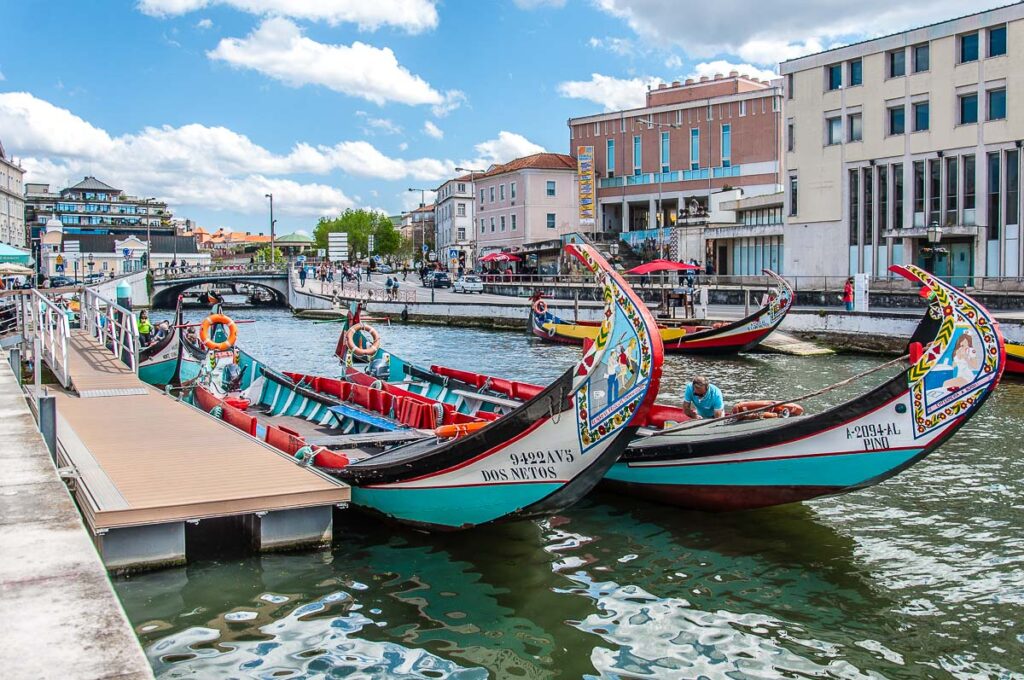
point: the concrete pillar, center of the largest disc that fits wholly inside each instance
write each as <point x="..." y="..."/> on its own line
<point x="290" y="529"/>
<point x="625" y="217"/>
<point x="147" y="547"/>
<point x="652" y="213"/>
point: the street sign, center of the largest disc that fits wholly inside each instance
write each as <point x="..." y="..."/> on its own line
<point x="369" y="245"/>
<point x="425" y="248"/>
<point x="127" y="252"/>
<point x="59" y="267"/>
<point x="72" y="247"/>
<point x="337" y="246"/>
<point x="60" y="260"/>
<point x="321" y="252"/>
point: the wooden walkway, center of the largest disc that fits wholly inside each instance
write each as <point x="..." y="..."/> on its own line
<point x="96" y="372"/>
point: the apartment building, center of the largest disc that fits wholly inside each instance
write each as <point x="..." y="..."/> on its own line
<point x="12" y="202"/>
<point x="453" y="220"/>
<point x="907" y="149"/>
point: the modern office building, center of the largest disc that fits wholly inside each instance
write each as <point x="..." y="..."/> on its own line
<point x="453" y="220"/>
<point x="907" y="149"/>
<point x="12" y="202"/>
<point x="93" y="207"/>
<point x="658" y="166"/>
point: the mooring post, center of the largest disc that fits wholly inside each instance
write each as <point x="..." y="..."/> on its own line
<point x="48" y="424"/>
<point x="746" y="301"/>
<point x="576" y="306"/>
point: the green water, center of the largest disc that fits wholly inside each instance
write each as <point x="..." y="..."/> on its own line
<point x="920" y="577"/>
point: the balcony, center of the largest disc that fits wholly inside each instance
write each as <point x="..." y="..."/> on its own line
<point x="674" y="176"/>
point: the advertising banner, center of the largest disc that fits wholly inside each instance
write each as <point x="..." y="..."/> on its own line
<point x="588" y="197"/>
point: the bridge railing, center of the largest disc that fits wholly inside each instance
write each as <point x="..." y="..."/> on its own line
<point x="168" y="273"/>
<point x="53" y="330"/>
<point x="112" y="325"/>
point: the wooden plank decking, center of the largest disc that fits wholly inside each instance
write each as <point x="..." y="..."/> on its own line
<point x="96" y="372"/>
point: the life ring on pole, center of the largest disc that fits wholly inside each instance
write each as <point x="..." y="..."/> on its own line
<point x="350" y="340"/>
<point x="212" y="320"/>
<point x="772" y="409"/>
<point x="540" y="307"/>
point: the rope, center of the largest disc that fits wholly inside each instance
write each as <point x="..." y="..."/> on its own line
<point x="705" y="421"/>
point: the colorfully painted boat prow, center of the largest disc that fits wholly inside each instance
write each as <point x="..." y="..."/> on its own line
<point x="742" y="335"/>
<point x="957" y="360"/>
<point x="545" y="454"/>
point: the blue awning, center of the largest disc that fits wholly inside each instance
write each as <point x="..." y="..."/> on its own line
<point x="15" y="255"/>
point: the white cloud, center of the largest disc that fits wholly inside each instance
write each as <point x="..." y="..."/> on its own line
<point x="277" y="48"/>
<point x="673" y="62"/>
<point x="610" y="92"/>
<point x="624" y="47"/>
<point x="432" y="130"/>
<point x="413" y="16"/>
<point x="384" y="126"/>
<point x="768" y="32"/>
<point x="452" y="100"/>
<point x="410" y="200"/>
<point x="403" y="146"/>
<point x="534" y="4"/>
<point x="720" y="66"/>
<point x="204" y="24"/>
<point x="505" y="147"/>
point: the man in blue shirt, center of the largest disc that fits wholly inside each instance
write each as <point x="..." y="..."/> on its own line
<point x="703" y="400"/>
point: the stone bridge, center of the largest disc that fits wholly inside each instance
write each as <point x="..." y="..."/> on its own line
<point x="168" y="282"/>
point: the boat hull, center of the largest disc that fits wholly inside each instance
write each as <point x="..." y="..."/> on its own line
<point x="1015" y="359"/>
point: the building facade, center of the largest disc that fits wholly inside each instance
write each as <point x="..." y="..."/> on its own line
<point x="12" y="202"/>
<point x="658" y="166"/>
<point x="907" y="149"/>
<point x="418" y="226"/>
<point x="93" y="207"/>
<point x="453" y="219"/>
<point x="529" y="200"/>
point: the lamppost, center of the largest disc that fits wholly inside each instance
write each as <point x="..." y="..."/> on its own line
<point x="934" y="234"/>
<point x="271" y="197"/>
<point x="661" y="166"/>
<point x="423" y="233"/>
<point x="91" y="262"/>
<point x="472" y="225"/>
<point x="149" y="249"/>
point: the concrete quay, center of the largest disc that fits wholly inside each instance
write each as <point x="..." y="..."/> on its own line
<point x="63" y="618"/>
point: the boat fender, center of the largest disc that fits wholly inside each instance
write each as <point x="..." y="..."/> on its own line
<point x="438" y="414"/>
<point x="305" y="456"/>
<point x="377" y="385"/>
<point x="460" y="430"/>
<point x="777" y="410"/>
<point x="540" y="307"/>
<point x="350" y="339"/>
<point x="208" y="323"/>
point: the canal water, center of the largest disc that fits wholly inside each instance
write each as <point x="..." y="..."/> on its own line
<point x="920" y="577"/>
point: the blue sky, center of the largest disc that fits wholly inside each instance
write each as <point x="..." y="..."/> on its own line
<point x="330" y="104"/>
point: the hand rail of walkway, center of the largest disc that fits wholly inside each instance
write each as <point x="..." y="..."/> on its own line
<point x="53" y="330"/>
<point x="114" y="326"/>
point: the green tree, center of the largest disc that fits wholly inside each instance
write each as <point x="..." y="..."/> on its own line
<point x="263" y="255"/>
<point x="359" y="224"/>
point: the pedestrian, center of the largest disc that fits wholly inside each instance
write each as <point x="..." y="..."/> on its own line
<point x="394" y="289"/>
<point x="302" y="276"/>
<point x="848" y="295"/>
<point x="330" y="274"/>
<point x="387" y="287"/>
<point x="703" y="400"/>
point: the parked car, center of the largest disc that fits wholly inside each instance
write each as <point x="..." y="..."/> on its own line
<point x="94" y="278"/>
<point x="438" y="280"/>
<point x="468" y="284"/>
<point x="62" y="282"/>
<point x="385" y="269"/>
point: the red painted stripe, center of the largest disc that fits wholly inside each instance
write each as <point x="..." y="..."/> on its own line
<point x="735" y="339"/>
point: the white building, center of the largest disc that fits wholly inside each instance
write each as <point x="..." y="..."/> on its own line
<point x="453" y="221"/>
<point x="887" y="137"/>
<point x="12" y="202"/>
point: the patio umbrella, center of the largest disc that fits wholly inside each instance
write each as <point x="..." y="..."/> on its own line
<point x="500" y="257"/>
<point x="663" y="266"/>
<point x="11" y="269"/>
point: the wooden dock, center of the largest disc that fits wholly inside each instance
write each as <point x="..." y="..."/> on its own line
<point x="783" y="343"/>
<point x="148" y="467"/>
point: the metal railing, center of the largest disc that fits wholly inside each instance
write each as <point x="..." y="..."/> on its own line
<point x="214" y="270"/>
<point x="112" y="325"/>
<point x="53" y="331"/>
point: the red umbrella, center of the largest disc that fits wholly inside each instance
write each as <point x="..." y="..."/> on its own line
<point x="500" y="257"/>
<point x="663" y="266"/>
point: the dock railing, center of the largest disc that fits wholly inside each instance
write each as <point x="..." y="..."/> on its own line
<point x="53" y="331"/>
<point x="112" y="325"/>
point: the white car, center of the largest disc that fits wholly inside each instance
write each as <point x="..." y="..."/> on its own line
<point x="468" y="284"/>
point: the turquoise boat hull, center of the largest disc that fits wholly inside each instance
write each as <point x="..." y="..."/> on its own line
<point x="451" y="507"/>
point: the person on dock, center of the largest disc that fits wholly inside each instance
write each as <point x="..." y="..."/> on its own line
<point x="145" y="329"/>
<point x="848" y="295"/>
<point x="703" y="400"/>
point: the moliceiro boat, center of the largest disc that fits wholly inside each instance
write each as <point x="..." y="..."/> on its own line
<point x="539" y="458"/>
<point x="168" y="360"/>
<point x="1014" y="359"/>
<point x="720" y="338"/>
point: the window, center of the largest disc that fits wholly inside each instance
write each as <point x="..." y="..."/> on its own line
<point x="854" y="207"/>
<point x="551" y="220"/>
<point x="637" y="155"/>
<point x="481" y="197"/>
<point x="994" y="202"/>
<point x="512" y="217"/>
<point x="918" y="197"/>
<point x="790" y="136"/>
<point x="492" y="195"/>
<point x="883" y="199"/>
<point x="597" y="129"/>
<point x="694" y="148"/>
<point x="969" y="184"/>
<point x="460" y="209"/>
<point x="968" y="109"/>
<point x="501" y="221"/>
<point x="897" y="61"/>
<point x="501" y="192"/>
<point x="1012" y="186"/>
<point x="743" y="109"/>
<point x="462" y="188"/>
<point x="921" y="57"/>
<point x="789" y="86"/>
<point x="483" y="225"/>
<point x="996" y="104"/>
<point x="492" y="225"/>
<point x="897" y="122"/>
<point x="855" y="127"/>
<point x="679" y="117"/>
<point x="952" y="190"/>
<point x="897" y="195"/>
<point x="551" y="187"/>
<point x="793" y="205"/>
<point x="512" y="190"/>
<point x="856" y="75"/>
<point x="997" y="41"/>
<point x="968" y="48"/>
<point x="609" y="164"/>
<point x="726" y="146"/>
<point x="869" y="209"/>
<point x="934" y="190"/>
<point x="665" y="152"/>
<point x="921" y="116"/>
<point x="834" y="76"/>
<point x="461" y="234"/>
<point x="833" y="130"/>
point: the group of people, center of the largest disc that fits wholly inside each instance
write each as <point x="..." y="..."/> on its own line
<point x="150" y="332"/>
<point x="391" y="287"/>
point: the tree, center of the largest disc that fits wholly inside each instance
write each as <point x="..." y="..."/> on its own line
<point x="359" y="224"/>
<point x="263" y="255"/>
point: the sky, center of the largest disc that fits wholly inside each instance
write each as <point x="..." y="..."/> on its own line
<point x="336" y="104"/>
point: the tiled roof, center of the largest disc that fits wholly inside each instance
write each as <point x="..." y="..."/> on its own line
<point x="93" y="184"/>
<point x="538" y="161"/>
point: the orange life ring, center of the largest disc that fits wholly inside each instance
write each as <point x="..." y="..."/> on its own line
<point x="540" y="307"/>
<point x="776" y="410"/>
<point x="449" y="431"/>
<point x="208" y="323"/>
<point x="350" y="340"/>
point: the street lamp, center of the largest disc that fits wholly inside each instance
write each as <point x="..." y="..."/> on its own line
<point x="91" y="262"/>
<point x="423" y="234"/>
<point x="271" y="197"/>
<point x="149" y="249"/>
<point x="472" y="226"/>
<point x="657" y="224"/>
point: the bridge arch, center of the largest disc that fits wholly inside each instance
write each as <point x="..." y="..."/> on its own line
<point x="167" y="290"/>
